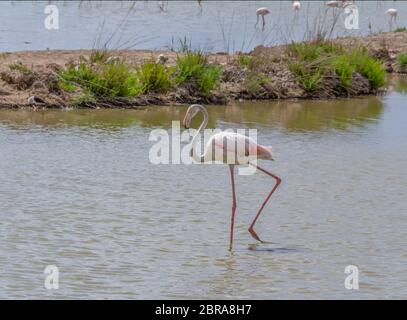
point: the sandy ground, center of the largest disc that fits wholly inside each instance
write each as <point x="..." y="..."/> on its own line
<point x="385" y="46"/>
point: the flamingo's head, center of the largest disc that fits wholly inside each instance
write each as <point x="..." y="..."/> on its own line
<point x="192" y="111"/>
<point x="264" y="153"/>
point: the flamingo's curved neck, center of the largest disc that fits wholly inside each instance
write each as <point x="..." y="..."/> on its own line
<point x="193" y="154"/>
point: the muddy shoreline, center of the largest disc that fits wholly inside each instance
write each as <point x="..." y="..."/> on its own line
<point x="37" y="75"/>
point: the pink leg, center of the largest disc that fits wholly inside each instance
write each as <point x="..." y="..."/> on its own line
<point x="278" y="181"/>
<point x="232" y="174"/>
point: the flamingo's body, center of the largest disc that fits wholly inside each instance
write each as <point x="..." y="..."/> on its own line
<point x="333" y="4"/>
<point x="296" y="5"/>
<point x="263" y="11"/>
<point x="233" y="149"/>
<point x="392" y="13"/>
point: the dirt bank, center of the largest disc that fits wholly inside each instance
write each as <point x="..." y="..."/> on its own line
<point x="262" y="74"/>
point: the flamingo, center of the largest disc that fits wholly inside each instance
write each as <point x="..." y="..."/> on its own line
<point x="296" y="5"/>
<point x="262" y="12"/>
<point x="232" y="149"/>
<point x="333" y="4"/>
<point x="392" y="13"/>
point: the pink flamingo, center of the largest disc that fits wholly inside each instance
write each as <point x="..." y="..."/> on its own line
<point x="232" y="149"/>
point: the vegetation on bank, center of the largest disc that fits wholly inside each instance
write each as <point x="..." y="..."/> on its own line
<point x="103" y="76"/>
<point x="316" y="69"/>
<point x="314" y="62"/>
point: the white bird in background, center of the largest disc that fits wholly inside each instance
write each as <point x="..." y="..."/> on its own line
<point x="233" y="149"/>
<point x="162" y="59"/>
<point x="296" y="5"/>
<point x="392" y="13"/>
<point x="262" y="12"/>
<point x="333" y="4"/>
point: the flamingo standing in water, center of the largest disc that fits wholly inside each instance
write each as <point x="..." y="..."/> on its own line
<point x="232" y="149"/>
<point x="296" y="5"/>
<point x="392" y="13"/>
<point x="333" y="4"/>
<point x="262" y="12"/>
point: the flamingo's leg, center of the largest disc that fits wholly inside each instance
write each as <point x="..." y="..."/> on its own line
<point x="278" y="181"/>
<point x="232" y="174"/>
<point x="264" y="21"/>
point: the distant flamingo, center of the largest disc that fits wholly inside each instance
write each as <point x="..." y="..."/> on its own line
<point x="392" y="13"/>
<point x="296" y="5"/>
<point x="232" y="149"/>
<point x="262" y="12"/>
<point x="333" y="4"/>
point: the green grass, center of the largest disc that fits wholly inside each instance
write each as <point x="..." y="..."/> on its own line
<point x="368" y="67"/>
<point x="309" y="51"/>
<point x="343" y="69"/>
<point x="244" y="60"/>
<point x="309" y="77"/>
<point x="99" y="56"/>
<point x="154" y="77"/>
<point x="255" y="81"/>
<point x="103" y="77"/>
<point x="193" y="67"/>
<point x="107" y="80"/>
<point x="84" y="99"/>
<point x="400" y="29"/>
<point x="20" y="68"/>
<point x="402" y="59"/>
<point x="310" y="62"/>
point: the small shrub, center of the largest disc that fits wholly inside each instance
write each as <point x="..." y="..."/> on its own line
<point x="154" y="77"/>
<point x="20" y="68"/>
<point x="209" y="79"/>
<point x="368" y="67"/>
<point x="244" y="60"/>
<point x="307" y="75"/>
<point x="194" y="67"/>
<point x="309" y="51"/>
<point x="99" y="56"/>
<point x="400" y="29"/>
<point x="107" y="80"/>
<point x="311" y="61"/>
<point x="84" y="99"/>
<point x="343" y="69"/>
<point x="255" y="81"/>
<point x="402" y="59"/>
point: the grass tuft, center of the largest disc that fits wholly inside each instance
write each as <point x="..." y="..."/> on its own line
<point x="154" y="77"/>
<point x="107" y="80"/>
<point x="193" y="67"/>
<point x="255" y="82"/>
<point x="368" y="67"/>
<point x="402" y="59"/>
<point x="244" y="60"/>
<point x="400" y="29"/>
<point x="20" y="68"/>
<point x="310" y="62"/>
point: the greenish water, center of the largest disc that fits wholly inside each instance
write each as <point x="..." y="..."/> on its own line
<point x="78" y="191"/>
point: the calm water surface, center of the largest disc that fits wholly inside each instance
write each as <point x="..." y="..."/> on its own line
<point x="213" y="25"/>
<point x="77" y="191"/>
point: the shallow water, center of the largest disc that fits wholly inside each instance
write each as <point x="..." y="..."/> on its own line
<point x="77" y="191"/>
<point x="212" y="25"/>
